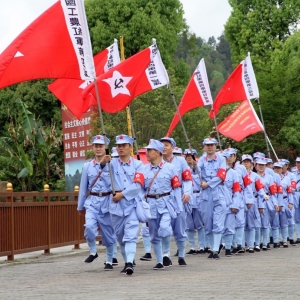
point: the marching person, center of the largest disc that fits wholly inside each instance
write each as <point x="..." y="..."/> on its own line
<point x="178" y="223"/>
<point x="253" y="220"/>
<point x="297" y="199"/>
<point x="194" y="219"/>
<point x="233" y="198"/>
<point x="247" y="200"/>
<point x="212" y="168"/>
<point x="177" y="151"/>
<point x="128" y="182"/>
<point x="287" y="211"/>
<point x="93" y="202"/>
<point x="291" y="221"/>
<point x="271" y="205"/>
<point x="162" y="187"/>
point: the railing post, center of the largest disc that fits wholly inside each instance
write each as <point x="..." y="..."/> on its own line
<point x="76" y="191"/>
<point x="47" y="199"/>
<point x="9" y="189"/>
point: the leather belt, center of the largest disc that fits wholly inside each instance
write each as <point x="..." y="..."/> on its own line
<point x="158" y="195"/>
<point x="284" y="197"/>
<point x="195" y="192"/>
<point x="100" y="194"/>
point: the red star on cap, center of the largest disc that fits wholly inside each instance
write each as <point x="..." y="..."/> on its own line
<point x="98" y="137"/>
<point x="121" y="137"/>
<point x="210" y="138"/>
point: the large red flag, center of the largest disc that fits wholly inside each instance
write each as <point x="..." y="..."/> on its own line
<point x="55" y="45"/>
<point x="69" y="91"/>
<point x="196" y="94"/>
<point x="241" y="123"/>
<point x="134" y="76"/>
<point x="240" y="85"/>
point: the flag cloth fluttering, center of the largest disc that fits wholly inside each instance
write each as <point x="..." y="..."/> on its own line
<point x="55" y="45"/>
<point x="134" y="76"/>
<point x="196" y="94"/>
<point x="241" y="85"/>
<point x="241" y="123"/>
<point x="69" y="91"/>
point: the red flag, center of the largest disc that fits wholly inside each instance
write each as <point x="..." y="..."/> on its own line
<point x="240" y="85"/>
<point x="241" y="123"/>
<point x="196" y="94"/>
<point x="134" y="76"/>
<point x="55" y="45"/>
<point x="69" y="91"/>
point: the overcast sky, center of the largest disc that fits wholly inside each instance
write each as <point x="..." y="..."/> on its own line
<point x="205" y="17"/>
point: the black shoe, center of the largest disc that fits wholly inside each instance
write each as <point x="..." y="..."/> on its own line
<point x="293" y="243"/>
<point x="201" y="251"/>
<point x="216" y="256"/>
<point x="166" y="261"/>
<point x="285" y="245"/>
<point x="146" y="257"/>
<point x="114" y="262"/>
<point x="288" y="239"/>
<point x="123" y="272"/>
<point x="257" y="248"/>
<point x="210" y="256"/>
<point x="108" y="267"/>
<point x="242" y="250"/>
<point x="234" y="251"/>
<point x="271" y="240"/>
<point x="281" y="243"/>
<point x="276" y="245"/>
<point x="129" y="269"/>
<point x="159" y="266"/>
<point x="251" y="250"/>
<point x="176" y="254"/>
<point x="264" y="248"/>
<point x="221" y="247"/>
<point x="297" y="241"/>
<point x="228" y="253"/>
<point x="192" y="251"/>
<point x="91" y="258"/>
<point x="207" y="250"/>
<point x="268" y="246"/>
<point x="181" y="262"/>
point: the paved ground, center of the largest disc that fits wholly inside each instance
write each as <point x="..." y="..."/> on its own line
<point x="266" y="275"/>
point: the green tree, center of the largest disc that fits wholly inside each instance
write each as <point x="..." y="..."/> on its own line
<point x="28" y="152"/>
<point x="138" y="21"/>
<point x="260" y="27"/>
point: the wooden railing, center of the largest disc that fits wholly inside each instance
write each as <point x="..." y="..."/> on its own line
<point x="32" y="221"/>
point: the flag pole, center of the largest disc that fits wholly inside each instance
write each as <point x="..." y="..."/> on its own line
<point x="104" y="134"/>
<point x="272" y="148"/>
<point x="128" y="111"/>
<point x="216" y="125"/>
<point x="183" y="128"/>
<point x="133" y="135"/>
<point x="262" y="121"/>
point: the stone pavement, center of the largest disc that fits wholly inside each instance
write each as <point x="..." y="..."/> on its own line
<point x="266" y="275"/>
